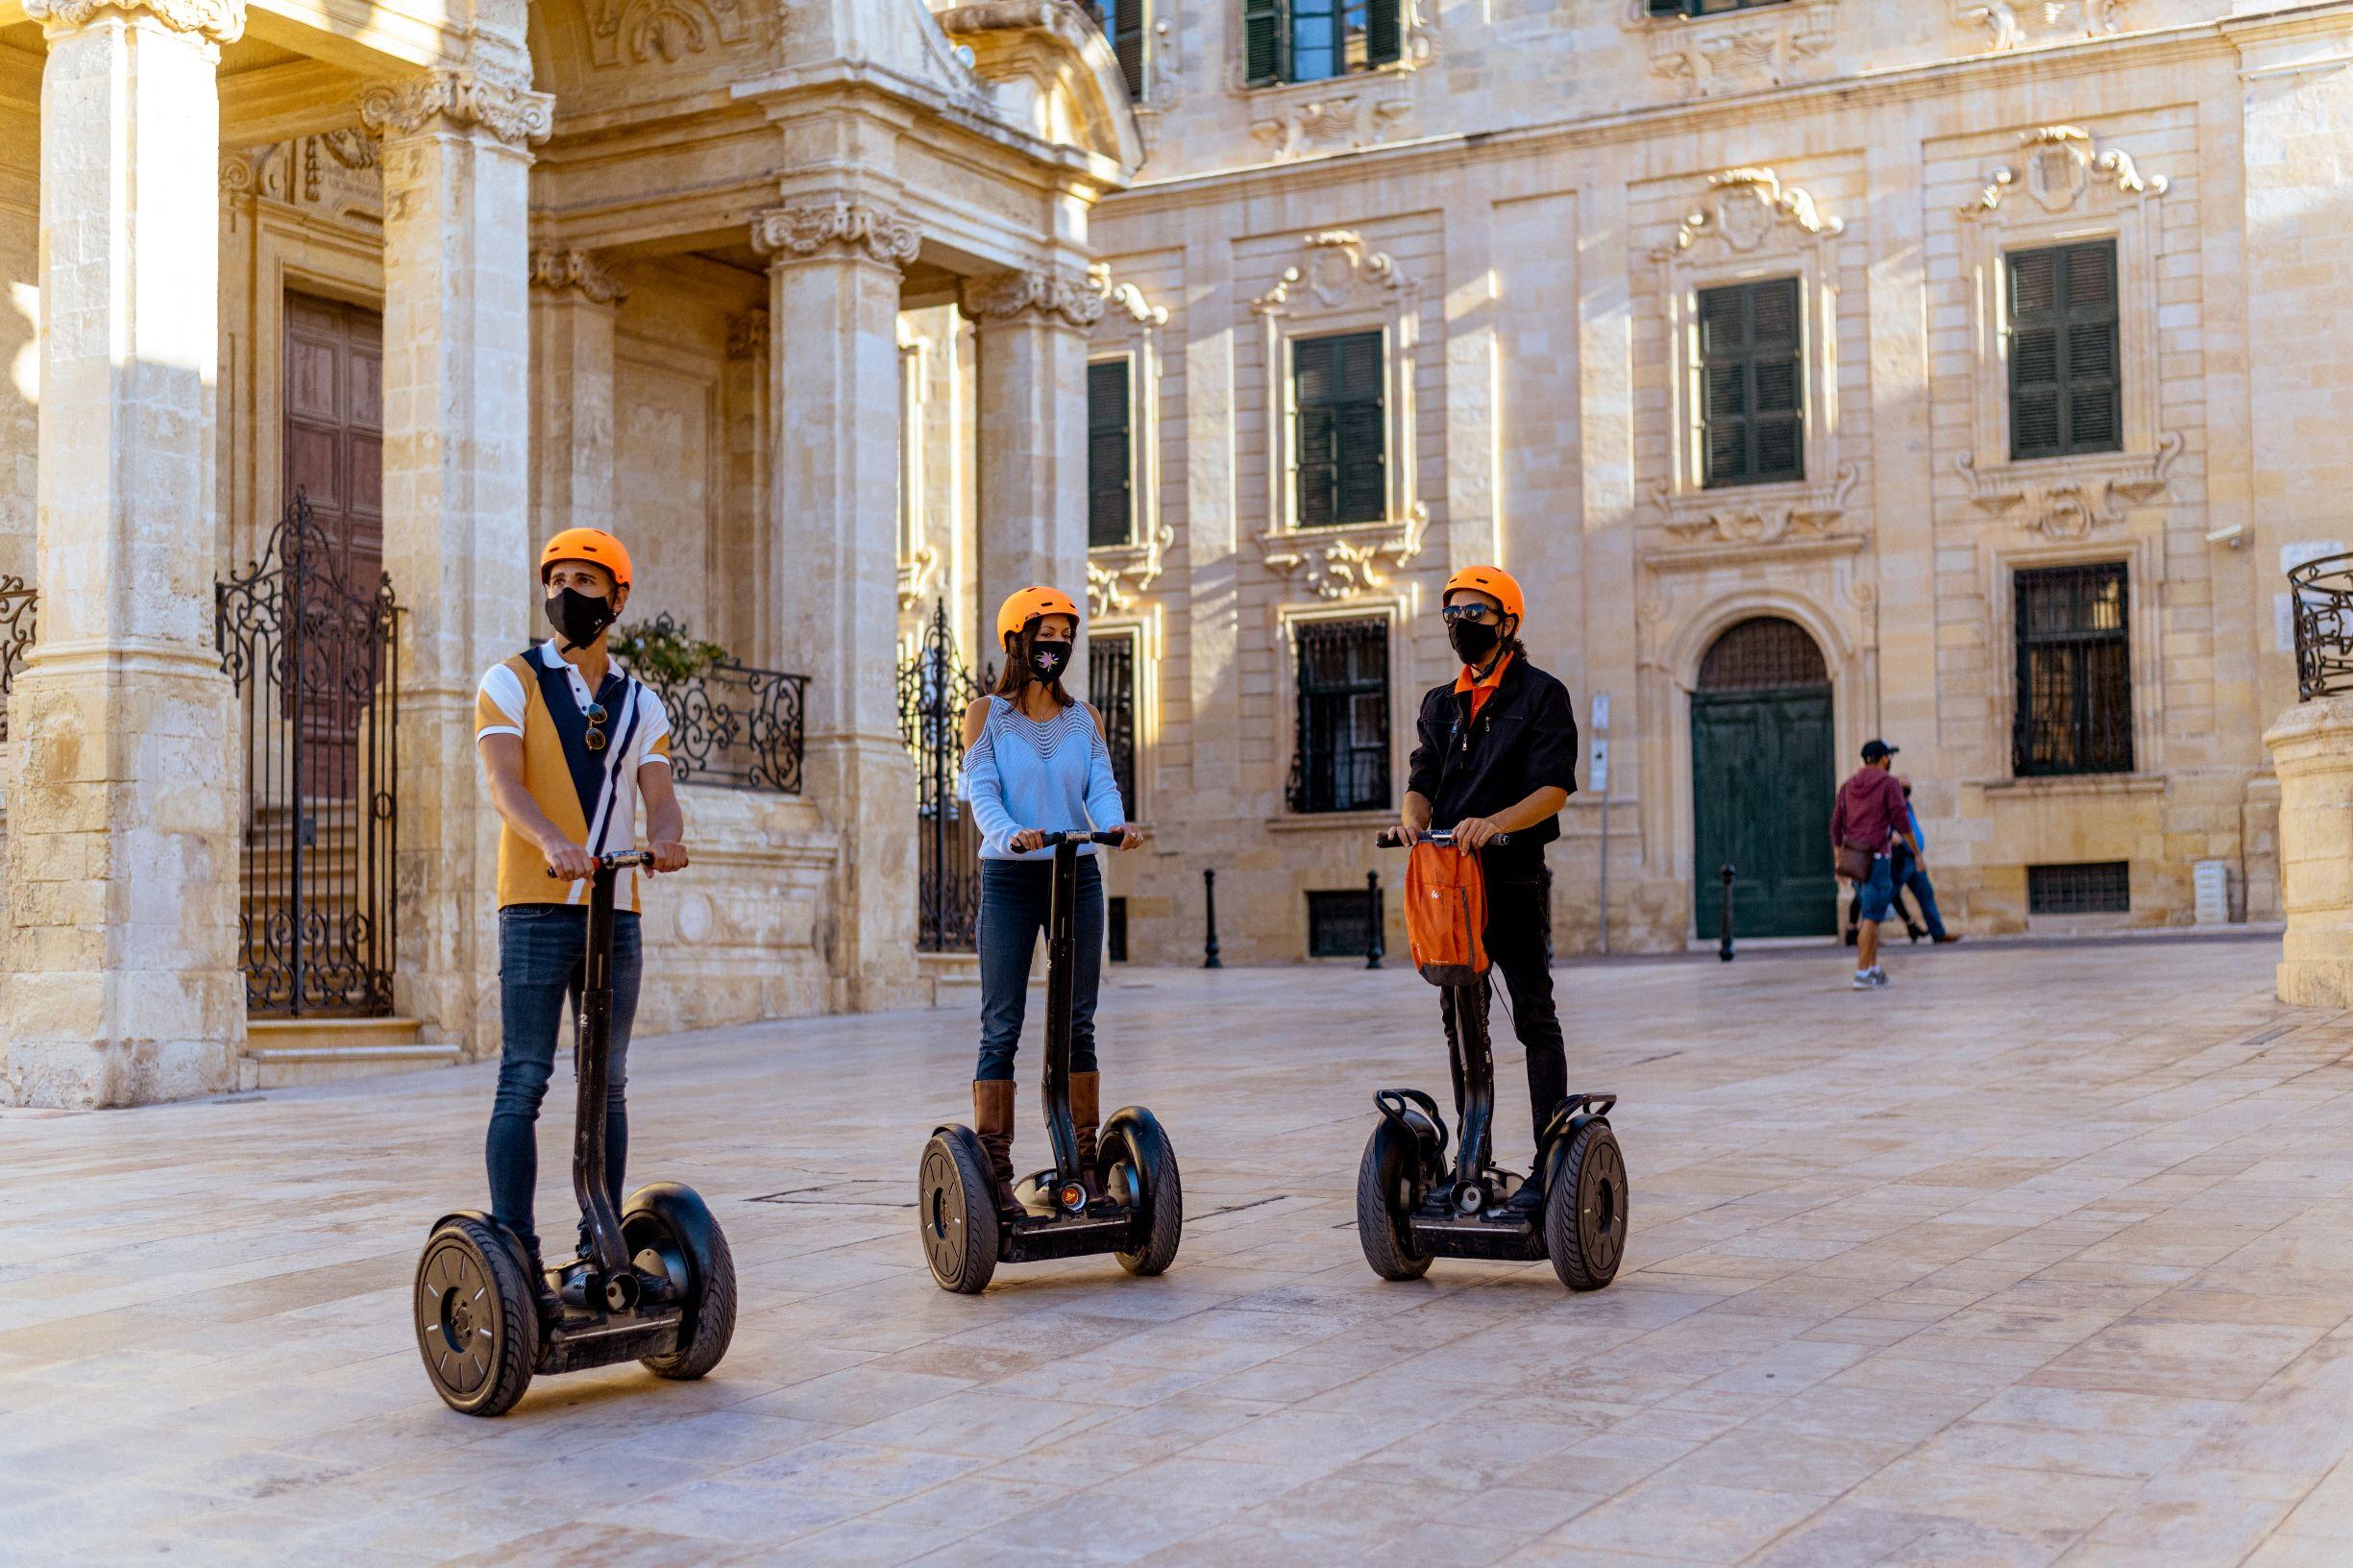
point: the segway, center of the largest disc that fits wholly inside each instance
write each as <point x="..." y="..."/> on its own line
<point x="653" y="1283"/>
<point x="1412" y="1207"/>
<point x="1141" y="1216"/>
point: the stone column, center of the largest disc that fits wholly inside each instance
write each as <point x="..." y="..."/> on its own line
<point x="834" y="274"/>
<point x="121" y="981"/>
<point x="1030" y="331"/>
<point x="574" y="300"/>
<point x="2311" y="749"/>
<point x="456" y="501"/>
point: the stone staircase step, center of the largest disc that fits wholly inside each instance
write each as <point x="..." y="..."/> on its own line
<point x="285" y="1053"/>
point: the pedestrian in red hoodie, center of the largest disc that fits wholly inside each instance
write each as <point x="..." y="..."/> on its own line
<point x="1870" y="817"/>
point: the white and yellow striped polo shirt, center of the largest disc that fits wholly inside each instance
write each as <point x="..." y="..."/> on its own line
<point x="595" y="804"/>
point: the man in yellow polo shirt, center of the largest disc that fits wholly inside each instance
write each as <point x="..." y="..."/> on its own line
<point x="570" y="744"/>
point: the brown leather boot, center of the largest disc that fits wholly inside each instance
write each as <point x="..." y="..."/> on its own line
<point x="1087" y="1114"/>
<point x="993" y="1120"/>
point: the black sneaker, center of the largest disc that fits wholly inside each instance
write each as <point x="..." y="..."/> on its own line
<point x="1528" y="1203"/>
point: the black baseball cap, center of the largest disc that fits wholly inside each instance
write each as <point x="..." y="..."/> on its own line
<point x="1874" y="750"/>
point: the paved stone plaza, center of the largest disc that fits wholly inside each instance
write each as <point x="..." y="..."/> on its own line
<point x="2043" y="1256"/>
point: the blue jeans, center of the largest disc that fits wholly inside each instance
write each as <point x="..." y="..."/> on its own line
<point x="1913" y="878"/>
<point x="1014" y="898"/>
<point x="541" y="951"/>
<point x="1879" y="891"/>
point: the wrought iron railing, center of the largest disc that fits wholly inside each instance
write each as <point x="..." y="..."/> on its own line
<point x="933" y="689"/>
<point x="19" y="606"/>
<point x="2322" y="592"/>
<point x="735" y="726"/>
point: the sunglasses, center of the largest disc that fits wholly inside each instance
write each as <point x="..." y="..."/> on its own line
<point x="595" y="714"/>
<point x="1478" y="615"/>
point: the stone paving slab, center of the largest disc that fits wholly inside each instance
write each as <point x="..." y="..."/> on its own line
<point x="2040" y="1256"/>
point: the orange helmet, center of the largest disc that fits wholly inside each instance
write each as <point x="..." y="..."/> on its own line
<point x="593" y="544"/>
<point x="1493" y="581"/>
<point x="1020" y="608"/>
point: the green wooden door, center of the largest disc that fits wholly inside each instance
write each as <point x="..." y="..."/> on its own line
<point x="1762" y="781"/>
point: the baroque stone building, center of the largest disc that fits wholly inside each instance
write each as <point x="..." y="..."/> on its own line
<point x="1955" y="372"/>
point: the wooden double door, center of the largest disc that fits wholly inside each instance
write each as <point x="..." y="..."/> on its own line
<point x="1763" y="777"/>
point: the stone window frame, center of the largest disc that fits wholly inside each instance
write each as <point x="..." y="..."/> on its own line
<point x="1119" y="577"/>
<point x="2144" y="561"/>
<point x="2066" y="188"/>
<point x="1148" y="625"/>
<point x="1341" y="287"/>
<point x="1752" y="228"/>
<point x="1417" y="42"/>
<point x="1395" y="611"/>
<point x="919" y="556"/>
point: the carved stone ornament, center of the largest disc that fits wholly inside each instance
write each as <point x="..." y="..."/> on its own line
<point x="1069" y="297"/>
<point x="1755" y="515"/>
<point x="640" y="32"/>
<point x="1117" y="576"/>
<point x="747" y="333"/>
<point x="558" y="270"/>
<point x="1347" y="562"/>
<point x="1739" y="51"/>
<point x="457" y="99"/>
<point x="1744" y="210"/>
<point x="805" y="229"/>
<point x="2060" y="162"/>
<point x="216" y="21"/>
<point x="1125" y="298"/>
<point x="2068" y="500"/>
<point x="1335" y="121"/>
<point x="2018" y="24"/>
<point x="1337" y="267"/>
<point x="915" y="573"/>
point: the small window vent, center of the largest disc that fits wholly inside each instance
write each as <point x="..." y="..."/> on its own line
<point x="1340" y="923"/>
<point x="2092" y="888"/>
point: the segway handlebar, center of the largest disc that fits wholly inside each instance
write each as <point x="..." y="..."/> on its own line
<point x="620" y="862"/>
<point x="1394" y="838"/>
<point x="1048" y="840"/>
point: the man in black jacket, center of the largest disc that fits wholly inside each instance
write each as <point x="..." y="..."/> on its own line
<point x="1497" y="755"/>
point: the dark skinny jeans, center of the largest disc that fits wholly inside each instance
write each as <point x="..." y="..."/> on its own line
<point x="1519" y="941"/>
<point x="1014" y="900"/>
<point x="542" y="948"/>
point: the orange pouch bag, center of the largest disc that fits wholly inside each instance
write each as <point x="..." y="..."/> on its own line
<point x="1446" y="915"/>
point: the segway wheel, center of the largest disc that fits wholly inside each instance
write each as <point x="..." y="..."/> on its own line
<point x="1584" y="1215"/>
<point x="667" y="1230"/>
<point x="478" y="1326"/>
<point x="956" y="1212"/>
<point x="1137" y="1164"/>
<point x="1385" y="1198"/>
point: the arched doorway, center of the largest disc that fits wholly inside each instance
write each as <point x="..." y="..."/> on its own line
<point x="1762" y="777"/>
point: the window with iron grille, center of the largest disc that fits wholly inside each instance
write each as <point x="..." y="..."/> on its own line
<point x="1111" y="684"/>
<point x="1706" y="8"/>
<point x="1341" y="761"/>
<point x="1310" y="40"/>
<point x="2065" y="391"/>
<point x="1340" y="923"/>
<point x="1341" y="433"/>
<point x="1763" y="653"/>
<point x="2092" y="887"/>
<point x="2074" y="671"/>
<point x="1122" y="24"/>
<point x="1111" y="491"/>
<point x="1751" y="367"/>
<point x="1115" y="927"/>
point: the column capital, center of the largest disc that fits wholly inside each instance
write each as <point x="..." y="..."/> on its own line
<point x="216" y="21"/>
<point x="558" y="270"/>
<point x="1072" y="298"/>
<point x="806" y="229"/>
<point x="457" y="99"/>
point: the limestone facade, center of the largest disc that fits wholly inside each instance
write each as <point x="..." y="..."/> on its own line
<point x="1527" y="205"/>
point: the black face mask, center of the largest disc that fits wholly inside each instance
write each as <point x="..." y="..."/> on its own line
<point x="1047" y="660"/>
<point x="1473" y="641"/>
<point x="578" y="616"/>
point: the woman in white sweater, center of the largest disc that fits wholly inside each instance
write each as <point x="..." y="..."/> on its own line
<point x="1035" y="763"/>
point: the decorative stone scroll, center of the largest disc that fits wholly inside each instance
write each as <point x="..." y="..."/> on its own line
<point x="457" y="99"/>
<point x="1743" y="210"/>
<point x="559" y="271"/>
<point x="2077" y="498"/>
<point x="1338" y="268"/>
<point x="2062" y="162"/>
<point x="1738" y="51"/>
<point x="1334" y="564"/>
<point x="216" y="21"/>
<point x="1072" y="298"/>
<point x="1754" y="514"/>
<point x="809" y="228"/>
<point x="2017" y="24"/>
<point x="1361" y="116"/>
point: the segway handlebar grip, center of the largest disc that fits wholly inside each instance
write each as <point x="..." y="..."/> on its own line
<point x="1394" y="838"/>
<point x="1076" y="836"/>
<point x="620" y="862"/>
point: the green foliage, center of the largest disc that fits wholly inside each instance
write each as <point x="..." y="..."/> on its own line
<point x="662" y="652"/>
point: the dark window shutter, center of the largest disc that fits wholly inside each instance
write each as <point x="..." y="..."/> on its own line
<point x="1109" y="450"/>
<point x="1262" y="41"/>
<point x="1341" y="432"/>
<point x="2066" y="387"/>
<point x="1384" y="30"/>
<point x="1751" y="382"/>
<point x="1126" y="33"/>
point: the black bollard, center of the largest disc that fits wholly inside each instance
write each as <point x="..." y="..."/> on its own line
<point x="1209" y="898"/>
<point x="1372" y="932"/>
<point x="1724" y="937"/>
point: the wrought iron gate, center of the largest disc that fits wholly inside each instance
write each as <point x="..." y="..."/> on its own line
<point x="933" y="689"/>
<point x="311" y="654"/>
